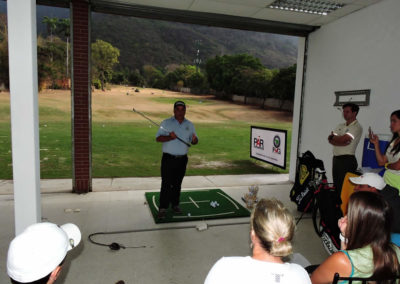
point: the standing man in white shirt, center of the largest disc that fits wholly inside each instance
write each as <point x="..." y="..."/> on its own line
<point x="176" y="133"/>
<point x="345" y="139"/>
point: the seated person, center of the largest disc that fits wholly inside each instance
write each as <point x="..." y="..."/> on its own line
<point x="366" y="247"/>
<point x="272" y="229"/>
<point x="37" y="254"/>
<point x="375" y="183"/>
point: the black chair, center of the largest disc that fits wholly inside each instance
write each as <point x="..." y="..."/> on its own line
<point x="350" y="280"/>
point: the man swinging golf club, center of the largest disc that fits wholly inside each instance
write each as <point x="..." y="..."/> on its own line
<point x="174" y="158"/>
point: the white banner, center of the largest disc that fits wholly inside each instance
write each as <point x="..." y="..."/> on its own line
<point x="268" y="145"/>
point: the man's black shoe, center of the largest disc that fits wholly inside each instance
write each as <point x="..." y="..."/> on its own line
<point x="177" y="210"/>
<point x="162" y="213"/>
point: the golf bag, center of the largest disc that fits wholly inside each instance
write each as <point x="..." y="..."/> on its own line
<point x="325" y="216"/>
<point x="308" y="170"/>
<point x="312" y="193"/>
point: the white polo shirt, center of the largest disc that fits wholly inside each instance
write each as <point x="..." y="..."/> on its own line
<point x="184" y="130"/>
<point x="246" y="270"/>
<point x="354" y="129"/>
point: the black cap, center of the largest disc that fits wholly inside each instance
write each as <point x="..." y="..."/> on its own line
<point x="179" y="103"/>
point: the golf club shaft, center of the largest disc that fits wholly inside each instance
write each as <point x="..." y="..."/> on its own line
<point x="155" y="123"/>
<point x="138" y="112"/>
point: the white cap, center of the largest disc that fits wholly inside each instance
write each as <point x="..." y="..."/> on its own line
<point x="371" y="179"/>
<point x="39" y="249"/>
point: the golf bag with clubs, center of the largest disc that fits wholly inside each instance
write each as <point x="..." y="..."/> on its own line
<point x="326" y="213"/>
<point x="317" y="196"/>
<point x="302" y="192"/>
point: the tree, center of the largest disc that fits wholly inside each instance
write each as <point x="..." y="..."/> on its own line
<point x="215" y="73"/>
<point x="171" y="80"/>
<point x="63" y="29"/>
<point x="283" y="85"/>
<point x="51" y="24"/>
<point x="233" y="74"/>
<point x="104" y="57"/>
<point x="153" y="77"/>
<point x="135" y="78"/>
<point x="260" y="83"/>
<point x="51" y="58"/>
<point x="179" y="74"/>
<point x="185" y="76"/>
<point x="197" y="81"/>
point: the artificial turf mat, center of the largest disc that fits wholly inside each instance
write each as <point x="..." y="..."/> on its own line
<point x="195" y="205"/>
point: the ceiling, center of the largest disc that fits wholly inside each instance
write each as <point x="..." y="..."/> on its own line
<point x="256" y="9"/>
<point x="242" y="14"/>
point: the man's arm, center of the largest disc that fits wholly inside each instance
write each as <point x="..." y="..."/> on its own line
<point x="342" y="140"/>
<point x="166" y="138"/>
<point x="195" y="140"/>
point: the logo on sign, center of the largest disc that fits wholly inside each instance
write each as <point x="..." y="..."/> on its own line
<point x="277" y="143"/>
<point x="258" y="143"/>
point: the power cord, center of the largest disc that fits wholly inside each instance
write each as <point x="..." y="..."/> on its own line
<point x="118" y="246"/>
<point x="112" y="246"/>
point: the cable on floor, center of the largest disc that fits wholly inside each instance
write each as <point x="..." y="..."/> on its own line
<point x="118" y="246"/>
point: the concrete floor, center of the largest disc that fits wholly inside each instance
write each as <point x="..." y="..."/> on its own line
<point x="180" y="254"/>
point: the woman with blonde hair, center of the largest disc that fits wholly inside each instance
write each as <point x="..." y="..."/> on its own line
<point x="272" y="229"/>
<point x="366" y="247"/>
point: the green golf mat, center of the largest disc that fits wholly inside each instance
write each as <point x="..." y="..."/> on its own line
<point x="195" y="205"/>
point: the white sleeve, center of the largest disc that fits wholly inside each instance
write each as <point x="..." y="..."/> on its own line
<point x="217" y="274"/>
<point x="355" y="132"/>
<point x="301" y="274"/>
<point x="161" y="130"/>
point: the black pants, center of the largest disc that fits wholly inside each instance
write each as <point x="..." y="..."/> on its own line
<point x="340" y="166"/>
<point x="173" y="169"/>
<point x="391" y="195"/>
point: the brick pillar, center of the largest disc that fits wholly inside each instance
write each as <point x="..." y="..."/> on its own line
<point x="81" y="97"/>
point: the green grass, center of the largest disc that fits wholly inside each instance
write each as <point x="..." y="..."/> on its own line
<point x="55" y="150"/>
<point x="127" y="149"/>
<point x="5" y="151"/>
<point x="5" y="111"/>
<point x="130" y="150"/>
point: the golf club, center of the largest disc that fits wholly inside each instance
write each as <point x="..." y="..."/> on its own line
<point x="155" y="123"/>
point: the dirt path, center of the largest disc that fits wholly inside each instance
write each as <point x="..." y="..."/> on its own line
<point x="116" y="105"/>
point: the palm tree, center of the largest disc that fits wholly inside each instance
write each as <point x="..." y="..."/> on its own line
<point x="64" y="29"/>
<point x="51" y="25"/>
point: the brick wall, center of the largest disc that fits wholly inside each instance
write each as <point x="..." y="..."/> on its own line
<point x="81" y="98"/>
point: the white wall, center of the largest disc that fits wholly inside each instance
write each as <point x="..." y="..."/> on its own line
<point x="359" y="51"/>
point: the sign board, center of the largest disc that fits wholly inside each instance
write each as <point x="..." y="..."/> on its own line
<point x="358" y="97"/>
<point x="268" y="145"/>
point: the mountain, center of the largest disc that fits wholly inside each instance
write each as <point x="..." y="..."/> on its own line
<point x="41" y="12"/>
<point x="161" y="43"/>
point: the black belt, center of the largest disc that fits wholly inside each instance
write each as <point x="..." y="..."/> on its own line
<point x="344" y="156"/>
<point x="174" y="156"/>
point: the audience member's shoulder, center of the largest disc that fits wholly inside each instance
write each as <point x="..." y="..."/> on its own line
<point x="297" y="267"/>
<point x="229" y="260"/>
<point x="298" y="272"/>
